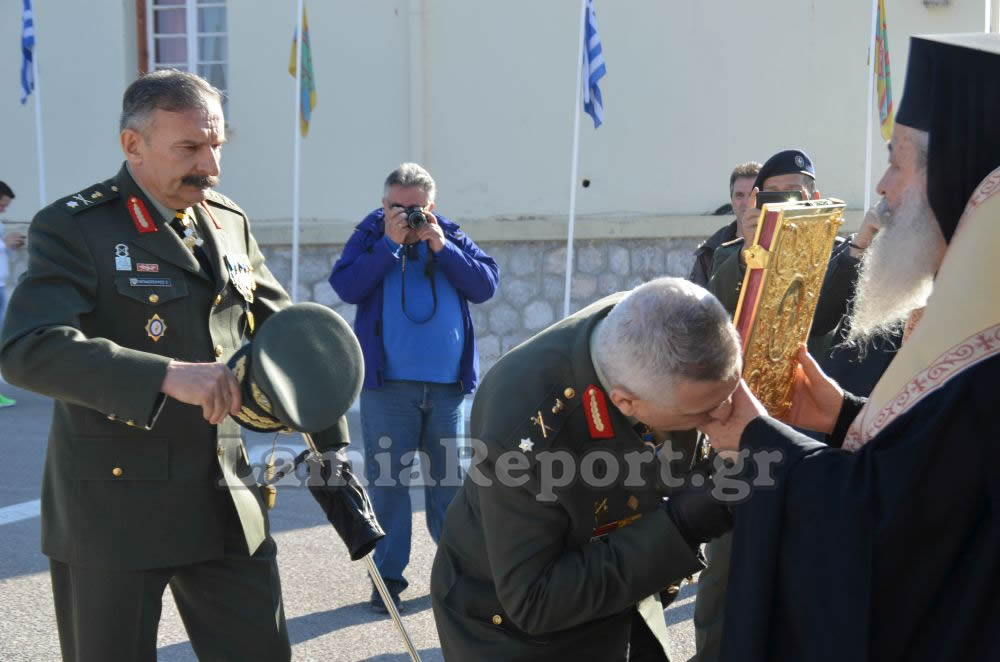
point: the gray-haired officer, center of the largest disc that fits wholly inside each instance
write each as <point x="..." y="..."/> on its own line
<point x="136" y="287"/>
<point x="537" y="565"/>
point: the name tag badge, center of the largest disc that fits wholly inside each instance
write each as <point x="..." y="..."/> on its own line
<point x="151" y="282"/>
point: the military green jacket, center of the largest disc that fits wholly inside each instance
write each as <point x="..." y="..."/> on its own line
<point x="527" y="570"/>
<point x="134" y="479"/>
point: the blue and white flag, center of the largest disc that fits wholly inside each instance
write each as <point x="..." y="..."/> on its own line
<point x="593" y="67"/>
<point x="27" y="52"/>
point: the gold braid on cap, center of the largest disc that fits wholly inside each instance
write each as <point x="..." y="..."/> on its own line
<point x="252" y="418"/>
<point x="247" y="415"/>
<point x="262" y="400"/>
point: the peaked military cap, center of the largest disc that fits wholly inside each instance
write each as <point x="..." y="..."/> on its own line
<point x="301" y="372"/>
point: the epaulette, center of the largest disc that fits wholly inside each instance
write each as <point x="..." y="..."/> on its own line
<point x="543" y="423"/>
<point x="220" y="200"/>
<point x="90" y="197"/>
<point x="731" y="242"/>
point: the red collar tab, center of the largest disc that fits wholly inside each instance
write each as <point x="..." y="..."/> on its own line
<point x="140" y="215"/>
<point x="595" y="406"/>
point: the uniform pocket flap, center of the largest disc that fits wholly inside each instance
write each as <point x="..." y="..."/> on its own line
<point x="152" y="289"/>
<point x="103" y="458"/>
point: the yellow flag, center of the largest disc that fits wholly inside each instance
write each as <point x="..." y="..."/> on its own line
<point x="307" y="88"/>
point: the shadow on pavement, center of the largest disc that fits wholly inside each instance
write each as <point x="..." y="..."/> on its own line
<point x="317" y="624"/>
<point x="426" y="655"/>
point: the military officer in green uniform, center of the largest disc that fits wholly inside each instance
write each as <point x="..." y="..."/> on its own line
<point x="559" y="541"/>
<point x="138" y="289"/>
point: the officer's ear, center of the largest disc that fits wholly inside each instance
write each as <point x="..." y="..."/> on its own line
<point x="623" y="399"/>
<point x="131" y="141"/>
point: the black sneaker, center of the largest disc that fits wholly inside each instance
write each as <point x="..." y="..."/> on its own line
<point x="395" y="587"/>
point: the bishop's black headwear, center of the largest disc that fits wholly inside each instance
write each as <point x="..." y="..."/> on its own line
<point x="952" y="91"/>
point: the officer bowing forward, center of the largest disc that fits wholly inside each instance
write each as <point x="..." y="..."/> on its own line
<point x="560" y="541"/>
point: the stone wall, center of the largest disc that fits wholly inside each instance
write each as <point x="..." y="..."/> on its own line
<point x="530" y="296"/>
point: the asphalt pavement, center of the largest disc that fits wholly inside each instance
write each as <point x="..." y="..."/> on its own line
<point x="325" y="594"/>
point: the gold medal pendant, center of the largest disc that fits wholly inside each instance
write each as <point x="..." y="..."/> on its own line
<point x="155" y="328"/>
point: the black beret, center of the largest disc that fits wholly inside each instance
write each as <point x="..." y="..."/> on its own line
<point x="785" y="162"/>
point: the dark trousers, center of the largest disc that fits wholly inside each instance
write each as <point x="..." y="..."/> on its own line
<point x="231" y="608"/>
<point x="642" y="645"/>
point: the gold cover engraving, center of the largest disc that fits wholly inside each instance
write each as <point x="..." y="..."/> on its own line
<point x="792" y="273"/>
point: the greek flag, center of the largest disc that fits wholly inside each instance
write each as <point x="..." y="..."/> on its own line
<point x="27" y="52"/>
<point x="593" y="67"/>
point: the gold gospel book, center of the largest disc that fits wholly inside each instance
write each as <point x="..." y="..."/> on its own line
<point x="786" y="266"/>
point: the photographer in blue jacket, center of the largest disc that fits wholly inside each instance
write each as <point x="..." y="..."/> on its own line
<point x="412" y="275"/>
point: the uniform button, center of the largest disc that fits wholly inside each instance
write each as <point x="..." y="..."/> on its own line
<point x="117" y="472"/>
<point x="569" y="393"/>
<point x="497" y="620"/>
<point x="112" y="417"/>
<point x="218" y="350"/>
<point x="154" y="298"/>
<point x="218" y="299"/>
<point x="130" y="423"/>
<point x="220" y="451"/>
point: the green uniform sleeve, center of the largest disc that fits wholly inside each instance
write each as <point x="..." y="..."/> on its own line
<point x="727" y="278"/>
<point x="545" y="584"/>
<point x="43" y="348"/>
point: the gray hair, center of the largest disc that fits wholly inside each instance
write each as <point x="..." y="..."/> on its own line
<point x="171" y="90"/>
<point x="665" y="330"/>
<point x="411" y="175"/>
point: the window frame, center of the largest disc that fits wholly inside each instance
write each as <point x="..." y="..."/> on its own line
<point x="145" y="15"/>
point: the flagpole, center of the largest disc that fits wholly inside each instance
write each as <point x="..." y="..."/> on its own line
<point x="870" y="105"/>
<point x="297" y="155"/>
<point x="39" y="142"/>
<point x="576" y="152"/>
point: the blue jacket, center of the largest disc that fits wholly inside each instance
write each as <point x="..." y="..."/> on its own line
<point x="358" y="274"/>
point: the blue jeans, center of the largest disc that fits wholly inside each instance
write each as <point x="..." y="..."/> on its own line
<point x="401" y="421"/>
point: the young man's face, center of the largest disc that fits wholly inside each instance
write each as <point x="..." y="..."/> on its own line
<point x="740" y="195"/>
<point x="4" y="203"/>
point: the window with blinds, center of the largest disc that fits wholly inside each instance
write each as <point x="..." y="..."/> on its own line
<point x="190" y="35"/>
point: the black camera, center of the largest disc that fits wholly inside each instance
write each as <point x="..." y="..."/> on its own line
<point x="415" y="217"/>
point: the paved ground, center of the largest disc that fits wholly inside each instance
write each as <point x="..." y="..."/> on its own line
<point x="325" y="594"/>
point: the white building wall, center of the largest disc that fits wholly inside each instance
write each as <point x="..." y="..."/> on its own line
<point x="692" y="88"/>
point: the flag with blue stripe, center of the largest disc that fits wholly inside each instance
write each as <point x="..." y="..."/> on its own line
<point x="593" y="67"/>
<point x="27" y="52"/>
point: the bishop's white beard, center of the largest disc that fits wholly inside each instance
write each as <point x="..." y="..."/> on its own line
<point x="897" y="271"/>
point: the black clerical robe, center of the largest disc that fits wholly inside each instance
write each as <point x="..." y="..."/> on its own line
<point x="888" y="553"/>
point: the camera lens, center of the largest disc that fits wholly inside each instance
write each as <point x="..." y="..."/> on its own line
<point x="415" y="218"/>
